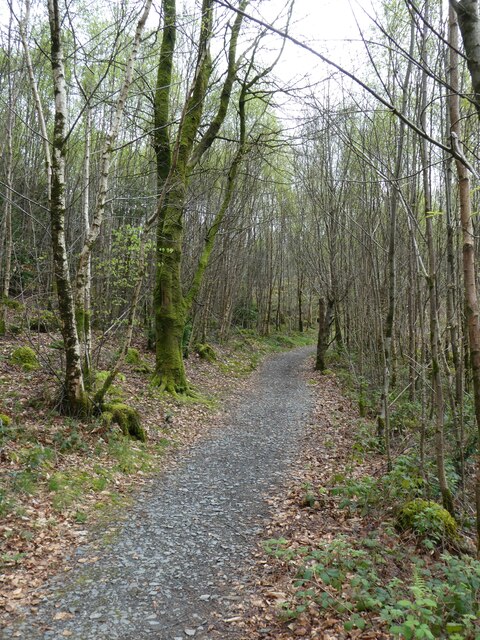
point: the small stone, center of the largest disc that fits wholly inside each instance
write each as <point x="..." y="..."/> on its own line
<point x="96" y="615"/>
<point x="205" y="597"/>
<point x="190" y="632"/>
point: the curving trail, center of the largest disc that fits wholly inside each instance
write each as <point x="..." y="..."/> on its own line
<point x="191" y="533"/>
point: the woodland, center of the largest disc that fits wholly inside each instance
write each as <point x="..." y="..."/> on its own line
<point x="169" y="199"/>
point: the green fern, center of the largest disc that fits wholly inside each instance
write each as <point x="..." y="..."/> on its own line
<point x="419" y="586"/>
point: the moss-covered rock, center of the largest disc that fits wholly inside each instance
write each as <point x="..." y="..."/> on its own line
<point x="25" y="357"/>
<point x="428" y="519"/>
<point x="44" y="322"/>
<point x="206" y="352"/>
<point x="127" y="419"/>
<point x="5" y="421"/>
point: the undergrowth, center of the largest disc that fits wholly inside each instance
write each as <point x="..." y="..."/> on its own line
<point x="439" y="600"/>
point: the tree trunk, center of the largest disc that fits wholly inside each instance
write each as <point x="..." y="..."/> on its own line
<point x="7" y="220"/>
<point x="383" y="423"/>
<point x="174" y="169"/>
<point x="435" y="347"/>
<point x="84" y="260"/>
<point x="468" y="252"/>
<point x="325" y="312"/>
<point x="83" y="294"/>
<point x="469" y="23"/>
<point x="75" y="400"/>
<point x="300" y="302"/>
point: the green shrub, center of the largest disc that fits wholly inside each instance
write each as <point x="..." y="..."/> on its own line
<point x="25" y="357"/>
<point x="405" y="416"/>
<point x="36" y="457"/>
<point x="70" y="439"/>
<point x="15" y="329"/>
<point x="59" y="345"/>
<point x="11" y="303"/>
<point x="403" y="483"/>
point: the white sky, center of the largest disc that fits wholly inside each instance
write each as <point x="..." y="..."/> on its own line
<point x="328" y="26"/>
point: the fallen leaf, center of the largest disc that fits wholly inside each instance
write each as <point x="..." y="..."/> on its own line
<point x="63" y="615"/>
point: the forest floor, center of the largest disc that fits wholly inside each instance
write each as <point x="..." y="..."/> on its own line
<point x="258" y="514"/>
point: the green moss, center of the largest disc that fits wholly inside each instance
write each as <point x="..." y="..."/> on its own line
<point x="144" y="368"/>
<point x="25" y="357"/>
<point x="206" y="352"/>
<point x="114" y="392"/>
<point x="133" y="356"/>
<point x="428" y="520"/>
<point x="5" y="421"/>
<point x="127" y="419"/>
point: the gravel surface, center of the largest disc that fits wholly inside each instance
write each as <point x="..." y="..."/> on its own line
<point x="191" y="533"/>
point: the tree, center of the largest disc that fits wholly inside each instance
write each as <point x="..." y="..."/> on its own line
<point x="71" y="304"/>
<point x="176" y="162"/>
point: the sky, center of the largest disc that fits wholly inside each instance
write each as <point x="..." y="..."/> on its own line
<point x="328" y="26"/>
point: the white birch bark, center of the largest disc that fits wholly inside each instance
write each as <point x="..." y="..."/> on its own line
<point x="74" y="400"/>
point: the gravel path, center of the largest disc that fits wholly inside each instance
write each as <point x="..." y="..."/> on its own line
<point x="191" y="533"/>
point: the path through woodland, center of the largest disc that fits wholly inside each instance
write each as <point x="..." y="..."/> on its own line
<point x="191" y="534"/>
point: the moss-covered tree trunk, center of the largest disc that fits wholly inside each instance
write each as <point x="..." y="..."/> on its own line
<point x="169" y="303"/>
<point x="175" y="163"/>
